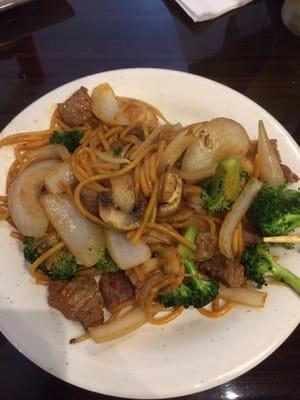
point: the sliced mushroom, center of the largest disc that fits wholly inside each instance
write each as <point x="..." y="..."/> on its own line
<point x="122" y="192"/>
<point x="89" y="200"/>
<point x="117" y="218"/>
<point x="171" y="194"/>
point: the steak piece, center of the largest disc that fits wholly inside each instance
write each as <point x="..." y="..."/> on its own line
<point x="78" y="300"/>
<point x="206" y="246"/>
<point x="115" y="288"/>
<point x="230" y="273"/>
<point x="77" y="108"/>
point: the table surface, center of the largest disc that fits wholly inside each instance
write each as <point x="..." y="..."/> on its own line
<point x="47" y="43"/>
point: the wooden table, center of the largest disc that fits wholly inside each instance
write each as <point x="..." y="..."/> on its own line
<point x="47" y="43"/>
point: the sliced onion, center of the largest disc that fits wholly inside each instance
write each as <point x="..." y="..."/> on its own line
<point x="60" y="178"/>
<point x="106" y="107"/>
<point x="49" y="152"/>
<point x="244" y="296"/>
<point x="176" y="148"/>
<point x="24" y="203"/>
<point x="82" y="237"/>
<point x="270" y="169"/>
<point x="111" y="159"/>
<point x="120" y="326"/>
<point x="235" y="214"/>
<point x="219" y="139"/>
<point x="126" y="254"/>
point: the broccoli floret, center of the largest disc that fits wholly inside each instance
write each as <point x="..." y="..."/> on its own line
<point x="276" y="210"/>
<point x="70" y="139"/>
<point x="193" y="291"/>
<point x="34" y="248"/>
<point x="259" y="265"/>
<point x="64" y="267"/>
<point x="225" y="187"/>
<point x="30" y="252"/>
<point x="106" y="263"/>
<point x="191" y="235"/>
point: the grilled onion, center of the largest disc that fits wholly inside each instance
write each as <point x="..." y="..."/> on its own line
<point x="121" y="326"/>
<point x="83" y="238"/>
<point x="126" y="254"/>
<point x="235" y="214"/>
<point x="270" y="169"/>
<point x="219" y="139"/>
<point x="60" y="178"/>
<point x="24" y="204"/>
<point x="243" y="296"/>
<point x="106" y="106"/>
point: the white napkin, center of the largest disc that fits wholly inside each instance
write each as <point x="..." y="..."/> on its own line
<point x="201" y="10"/>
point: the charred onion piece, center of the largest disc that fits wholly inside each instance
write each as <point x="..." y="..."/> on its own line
<point x="82" y="237"/>
<point x="126" y="254"/>
<point x="220" y="138"/>
<point x="270" y="169"/>
<point x="60" y="178"/>
<point x="106" y="106"/>
<point x="24" y="203"/>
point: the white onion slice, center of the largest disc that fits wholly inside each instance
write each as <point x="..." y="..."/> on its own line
<point x="176" y="147"/>
<point x="49" y="152"/>
<point x="270" y="169"/>
<point x="244" y="296"/>
<point x="60" y="178"/>
<point x="220" y="138"/>
<point x="24" y="203"/>
<point x="106" y="107"/>
<point x="82" y="237"/>
<point x="235" y="214"/>
<point x="126" y="254"/>
<point x="119" y="327"/>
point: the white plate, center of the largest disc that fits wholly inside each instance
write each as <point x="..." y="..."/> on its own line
<point x="192" y="353"/>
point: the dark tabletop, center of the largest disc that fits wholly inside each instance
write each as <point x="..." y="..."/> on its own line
<point x="47" y="43"/>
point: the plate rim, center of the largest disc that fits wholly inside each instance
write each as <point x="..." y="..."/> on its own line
<point x="232" y="374"/>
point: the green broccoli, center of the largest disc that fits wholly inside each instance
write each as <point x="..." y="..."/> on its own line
<point x="106" y="263"/>
<point x="190" y="234"/>
<point x="224" y="188"/>
<point x="193" y="291"/>
<point x="34" y="248"/>
<point x="64" y="265"/>
<point x="259" y="265"/>
<point x="70" y="139"/>
<point x="276" y="210"/>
